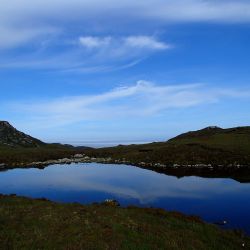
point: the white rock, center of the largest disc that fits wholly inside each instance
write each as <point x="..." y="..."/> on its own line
<point x="78" y="155"/>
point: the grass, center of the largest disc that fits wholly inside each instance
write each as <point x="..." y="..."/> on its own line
<point x="208" y="146"/>
<point x="215" y="146"/>
<point x="41" y="224"/>
<point x="234" y="139"/>
<point x="19" y="156"/>
<point x="173" y="153"/>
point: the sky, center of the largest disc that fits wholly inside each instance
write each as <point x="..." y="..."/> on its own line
<point x="91" y="71"/>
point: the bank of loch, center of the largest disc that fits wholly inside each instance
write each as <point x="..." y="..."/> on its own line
<point x="41" y="224"/>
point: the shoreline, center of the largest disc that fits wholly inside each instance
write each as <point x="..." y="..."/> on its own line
<point x="237" y="172"/>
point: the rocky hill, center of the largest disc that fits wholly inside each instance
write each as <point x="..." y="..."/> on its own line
<point x="11" y="137"/>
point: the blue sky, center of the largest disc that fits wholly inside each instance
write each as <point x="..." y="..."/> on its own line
<point x="127" y="71"/>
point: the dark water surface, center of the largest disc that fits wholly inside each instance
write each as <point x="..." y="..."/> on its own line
<point x="214" y="200"/>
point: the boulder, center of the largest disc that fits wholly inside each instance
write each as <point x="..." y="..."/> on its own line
<point x="111" y="202"/>
<point x="79" y="155"/>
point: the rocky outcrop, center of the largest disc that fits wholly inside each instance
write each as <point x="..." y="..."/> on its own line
<point x="11" y="137"/>
<point x="111" y="203"/>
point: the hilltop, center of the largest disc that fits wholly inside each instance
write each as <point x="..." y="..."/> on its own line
<point x="232" y="139"/>
<point x="11" y="137"/>
<point x="211" y="145"/>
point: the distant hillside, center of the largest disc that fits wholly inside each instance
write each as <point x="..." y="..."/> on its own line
<point x="11" y="137"/>
<point x="223" y="149"/>
<point x="233" y="139"/>
<point x="18" y="149"/>
<point x="208" y="131"/>
<point x="211" y="145"/>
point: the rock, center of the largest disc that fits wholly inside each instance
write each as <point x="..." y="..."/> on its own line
<point x="79" y="155"/>
<point x="112" y="203"/>
<point x="2" y="165"/>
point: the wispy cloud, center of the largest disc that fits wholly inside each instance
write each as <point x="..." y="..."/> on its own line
<point x="146" y="42"/>
<point x="13" y="37"/>
<point x="143" y="99"/>
<point x="89" y="54"/>
<point x="16" y="11"/>
<point x="26" y="23"/>
<point x="138" y="42"/>
<point x="115" y="49"/>
<point x="94" y="42"/>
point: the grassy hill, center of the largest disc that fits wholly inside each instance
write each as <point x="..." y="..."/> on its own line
<point x="232" y="139"/>
<point x="41" y="224"/>
<point x="211" y="145"/>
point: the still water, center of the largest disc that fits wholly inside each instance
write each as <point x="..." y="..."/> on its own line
<point x="214" y="200"/>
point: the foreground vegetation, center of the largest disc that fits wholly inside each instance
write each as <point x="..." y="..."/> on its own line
<point x="41" y="224"/>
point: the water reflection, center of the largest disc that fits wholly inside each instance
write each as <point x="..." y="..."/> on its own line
<point x="213" y="199"/>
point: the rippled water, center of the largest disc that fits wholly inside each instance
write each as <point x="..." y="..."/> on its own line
<point x="213" y="199"/>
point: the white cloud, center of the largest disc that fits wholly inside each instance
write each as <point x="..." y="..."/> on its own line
<point x="137" y="42"/>
<point x="29" y="23"/>
<point x="144" y="99"/>
<point x="95" y="54"/>
<point x="12" y="37"/>
<point x="25" y="16"/>
<point x="174" y="10"/>
<point x="223" y="11"/>
<point x="94" y="42"/>
<point x="145" y="42"/>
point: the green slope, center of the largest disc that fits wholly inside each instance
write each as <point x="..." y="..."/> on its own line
<point x="232" y="139"/>
<point x="38" y="224"/>
<point x="211" y="145"/>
